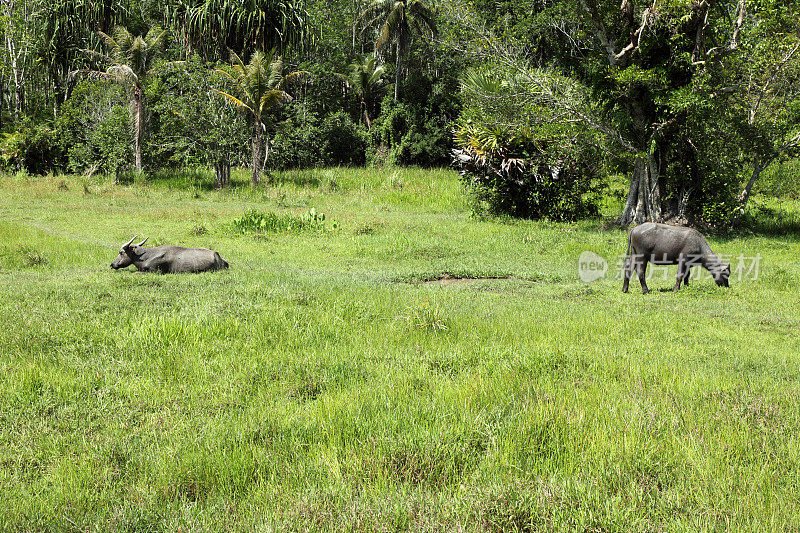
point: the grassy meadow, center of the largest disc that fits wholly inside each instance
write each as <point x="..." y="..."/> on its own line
<point x="346" y="375"/>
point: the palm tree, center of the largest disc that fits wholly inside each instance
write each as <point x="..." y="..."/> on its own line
<point x="398" y="21"/>
<point x="365" y="78"/>
<point x="66" y="27"/>
<point x="131" y="58"/>
<point x="260" y="86"/>
<point x="211" y="27"/>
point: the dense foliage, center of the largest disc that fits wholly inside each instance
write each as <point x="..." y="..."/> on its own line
<point x="693" y="100"/>
<point x="515" y="153"/>
<point x="671" y="91"/>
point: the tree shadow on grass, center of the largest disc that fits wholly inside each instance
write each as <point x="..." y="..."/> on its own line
<point x="184" y="179"/>
<point x="203" y="179"/>
<point x="303" y="178"/>
<point x="765" y="221"/>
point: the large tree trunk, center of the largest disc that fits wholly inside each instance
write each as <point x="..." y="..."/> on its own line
<point x="397" y="68"/>
<point x="256" y="153"/>
<point x="758" y="168"/>
<point x="138" y="127"/>
<point x="643" y="203"/>
<point x="366" y="114"/>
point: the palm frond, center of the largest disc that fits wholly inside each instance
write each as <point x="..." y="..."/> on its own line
<point x="272" y="98"/>
<point x="235" y="101"/>
<point x="156" y="38"/>
<point x="94" y="74"/>
<point x="109" y="41"/>
<point x="393" y="25"/>
<point x="293" y="77"/>
<point x="123" y="73"/>
<point x="104" y="57"/>
<point x="423" y="17"/>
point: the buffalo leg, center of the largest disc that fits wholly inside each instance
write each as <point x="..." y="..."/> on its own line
<point x="682" y="268"/>
<point x="641" y="269"/>
<point x="626" y="273"/>
<point x="686" y="275"/>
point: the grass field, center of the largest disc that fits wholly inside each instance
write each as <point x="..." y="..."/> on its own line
<point x="343" y="376"/>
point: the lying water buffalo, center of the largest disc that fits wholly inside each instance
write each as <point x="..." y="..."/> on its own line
<point x="167" y="259"/>
<point x="661" y="244"/>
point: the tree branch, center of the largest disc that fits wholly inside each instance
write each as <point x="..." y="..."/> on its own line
<point x="719" y="52"/>
<point x="763" y="90"/>
<point x="617" y="58"/>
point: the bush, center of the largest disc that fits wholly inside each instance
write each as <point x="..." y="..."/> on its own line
<point x="295" y="143"/>
<point x="524" y="177"/>
<point x="518" y="160"/>
<point x="410" y="135"/>
<point x="342" y="142"/>
<point x="260" y="222"/>
<point x="303" y="141"/>
<point x="94" y="128"/>
<point x="36" y="148"/>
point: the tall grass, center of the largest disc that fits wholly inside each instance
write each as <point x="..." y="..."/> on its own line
<point x="781" y="180"/>
<point x="320" y="384"/>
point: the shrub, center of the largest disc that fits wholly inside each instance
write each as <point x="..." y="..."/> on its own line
<point x="36" y="148"/>
<point x="260" y="222"/>
<point x="524" y="178"/>
<point x="409" y="135"/>
<point x="341" y="141"/>
<point x="94" y="128"/>
<point x="518" y="159"/>
<point x="304" y="141"/>
<point x="296" y="142"/>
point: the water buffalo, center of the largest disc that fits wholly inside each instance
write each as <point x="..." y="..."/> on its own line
<point x="661" y="244"/>
<point x="167" y="259"/>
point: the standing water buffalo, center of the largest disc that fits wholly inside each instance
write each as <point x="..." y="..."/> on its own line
<point x="661" y="244"/>
<point x="167" y="259"/>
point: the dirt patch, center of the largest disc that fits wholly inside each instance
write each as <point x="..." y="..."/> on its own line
<point x="447" y="280"/>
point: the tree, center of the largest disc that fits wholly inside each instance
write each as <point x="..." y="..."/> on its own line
<point x="17" y="24"/>
<point x="212" y="27"/>
<point x="196" y="126"/>
<point x="658" y="59"/>
<point x="259" y="86"/>
<point x="397" y="22"/>
<point x="131" y="59"/>
<point x="764" y="87"/>
<point x="663" y="91"/>
<point x="365" y="79"/>
<point x="67" y="28"/>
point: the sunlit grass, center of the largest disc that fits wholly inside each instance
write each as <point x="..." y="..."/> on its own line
<point x="320" y="383"/>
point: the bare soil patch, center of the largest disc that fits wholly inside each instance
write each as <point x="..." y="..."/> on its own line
<point x="447" y="280"/>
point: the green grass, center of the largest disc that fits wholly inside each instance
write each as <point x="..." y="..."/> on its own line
<point x="320" y="383"/>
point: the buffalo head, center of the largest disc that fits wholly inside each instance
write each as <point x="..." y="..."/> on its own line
<point x="721" y="274"/>
<point x="127" y="254"/>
